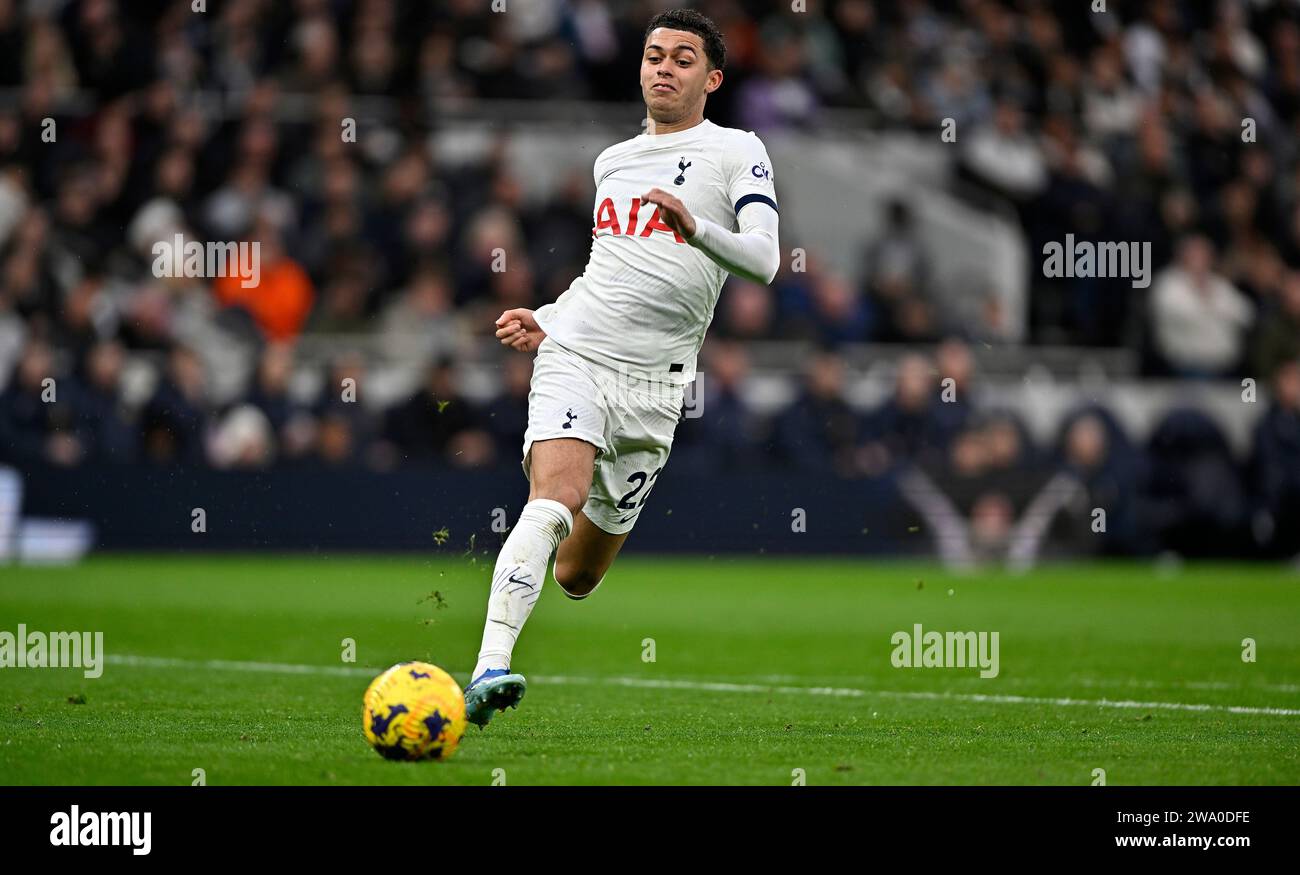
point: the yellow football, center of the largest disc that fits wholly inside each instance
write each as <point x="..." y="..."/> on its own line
<point x="414" y="711"/>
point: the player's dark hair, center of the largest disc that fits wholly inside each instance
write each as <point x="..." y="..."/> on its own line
<point x="697" y="23"/>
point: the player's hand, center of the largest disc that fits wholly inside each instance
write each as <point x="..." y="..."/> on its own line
<point x="672" y="212"/>
<point x="518" y="329"/>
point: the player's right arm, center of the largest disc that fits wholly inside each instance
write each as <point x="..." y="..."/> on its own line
<point x="518" y="329"/>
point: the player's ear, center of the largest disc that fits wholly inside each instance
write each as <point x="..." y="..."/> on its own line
<point x="713" y="82"/>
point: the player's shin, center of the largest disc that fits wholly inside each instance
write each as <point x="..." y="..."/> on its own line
<point x="517" y="579"/>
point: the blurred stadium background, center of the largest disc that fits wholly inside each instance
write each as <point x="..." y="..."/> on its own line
<point x="908" y="261"/>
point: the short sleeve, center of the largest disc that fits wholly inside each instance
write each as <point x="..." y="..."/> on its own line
<point x="751" y="179"/>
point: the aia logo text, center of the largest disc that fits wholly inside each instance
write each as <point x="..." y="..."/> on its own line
<point x="607" y="220"/>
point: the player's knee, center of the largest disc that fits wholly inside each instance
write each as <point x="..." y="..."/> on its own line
<point x="566" y="494"/>
<point x="576" y="581"/>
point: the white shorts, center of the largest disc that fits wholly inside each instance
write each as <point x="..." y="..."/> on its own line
<point x="630" y="423"/>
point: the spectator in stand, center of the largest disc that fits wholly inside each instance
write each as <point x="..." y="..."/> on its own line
<point x="1005" y="157"/>
<point x="343" y="301"/>
<point x="28" y="282"/>
<point x="819" y="431"/>
<point x="283" y="297"/>
<point x="506" y="417"/>
<point x="903" y="429"/>
<point x="839" y="313"/>
<point x="1094" y="451"/>
<point x="36" y="415"/>
<point x="437" y="423"/>
<point x="719" y="432"/>
<point x="745" y="311"/>
<point x="421" y="324"/>
<point x="779" y="96"/>
<point x="896" y="273"/>
<point x="1200" y="320"/>
<point x="993" y="453"/>
<point x="345" y="424"/>
<point x="1275" y="466"/>
<point x="175" y="420"/>
<point x="1194" y="499"/>
<point x="1278" y="340"/>
<point x="104" y="430"/>
<point x="953" y="361"/>
<point x="291" y="424"/>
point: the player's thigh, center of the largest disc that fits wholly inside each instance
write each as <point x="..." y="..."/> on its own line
<point x="624" y="478"/>
<point x="568" y="425"/>
<point x="585" y="556"/>
<point x="561" y="469"/>
<point x="622" y="485"/>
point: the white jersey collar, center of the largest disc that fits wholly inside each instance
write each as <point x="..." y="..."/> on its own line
<point x="677" y="136"/>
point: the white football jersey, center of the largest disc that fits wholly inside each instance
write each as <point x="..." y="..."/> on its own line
<point x="647" y="297"/>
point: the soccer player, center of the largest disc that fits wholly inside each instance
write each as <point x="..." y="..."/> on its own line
<point x="677" y="209"/>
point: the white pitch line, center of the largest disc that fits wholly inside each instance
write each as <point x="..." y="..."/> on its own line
<point x="235" y="665"/>
<point x="1101" y="683"/>
<point x="710" y="686"/>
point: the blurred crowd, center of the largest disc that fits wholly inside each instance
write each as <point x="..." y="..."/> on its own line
<point x="123" y="123"/>
<point x="1182" y="488"/>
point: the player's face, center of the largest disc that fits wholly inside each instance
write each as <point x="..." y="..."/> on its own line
<point x="675" y="75"/>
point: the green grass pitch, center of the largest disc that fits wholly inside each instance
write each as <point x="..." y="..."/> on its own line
<point x="233" y="665"/>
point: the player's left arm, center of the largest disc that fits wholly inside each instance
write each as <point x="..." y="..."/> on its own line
<point x="752" y="252"/>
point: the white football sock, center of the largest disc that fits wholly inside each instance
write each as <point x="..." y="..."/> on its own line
<point x="517" y="579"/>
